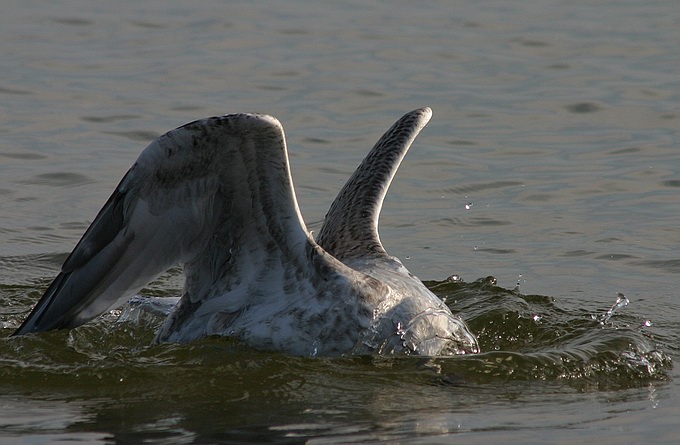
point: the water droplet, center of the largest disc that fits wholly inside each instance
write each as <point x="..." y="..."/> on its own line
<point x="455" y="278"/>
<point x="315" y="348"/>
<point x="638" y="361"/>
<point x="519" y="280"/>
<point x="400" y="330"/>
<point x="621" y="302"/>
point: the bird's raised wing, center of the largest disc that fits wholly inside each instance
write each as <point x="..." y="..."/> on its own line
<point x="214" y="195"/>
<point x="350" y="229"/>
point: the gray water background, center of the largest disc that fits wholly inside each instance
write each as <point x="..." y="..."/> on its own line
<point x="558" y="121"/>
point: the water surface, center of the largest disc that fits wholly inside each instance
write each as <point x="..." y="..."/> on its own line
<point x="551" y="164"/>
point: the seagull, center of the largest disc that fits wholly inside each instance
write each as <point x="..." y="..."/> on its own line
<point x="216" y="196"/>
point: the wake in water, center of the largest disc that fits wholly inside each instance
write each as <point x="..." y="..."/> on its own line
<point x="533" y="337"/>
<point x="521" y="337"/>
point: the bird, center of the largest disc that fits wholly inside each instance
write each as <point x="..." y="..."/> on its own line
<point x="216" y="196"/>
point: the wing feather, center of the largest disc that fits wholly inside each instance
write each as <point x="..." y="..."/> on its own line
<point x="350" y="228"/>
<point x="208" y="195"/>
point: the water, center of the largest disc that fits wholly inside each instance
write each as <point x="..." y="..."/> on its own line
<point x="551" y="164"/>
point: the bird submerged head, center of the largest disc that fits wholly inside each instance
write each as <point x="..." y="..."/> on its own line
<point x="437" y="332"/>
<point x="433" y="332"/>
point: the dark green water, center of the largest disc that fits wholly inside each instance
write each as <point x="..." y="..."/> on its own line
<point x="219" y="390"/>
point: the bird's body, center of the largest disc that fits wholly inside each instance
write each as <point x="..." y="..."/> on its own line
<point x="216" y="196"/>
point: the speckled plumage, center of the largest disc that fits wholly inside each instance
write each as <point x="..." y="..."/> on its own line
<point x="216" y="196"/>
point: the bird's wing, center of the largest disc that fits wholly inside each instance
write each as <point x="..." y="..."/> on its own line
<point x="215" y="195"/>
<point x="350" y="229"/>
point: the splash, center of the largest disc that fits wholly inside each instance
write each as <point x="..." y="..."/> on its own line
<point x="519" y="282"/>
<point x="537" y="337"/>
<point x="621" y="302"/>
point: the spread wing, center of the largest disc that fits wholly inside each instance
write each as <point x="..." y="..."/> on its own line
<point x="350" y="229"/>
<point x="215" y="195"/>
